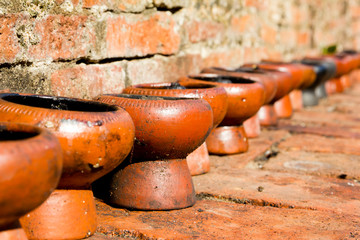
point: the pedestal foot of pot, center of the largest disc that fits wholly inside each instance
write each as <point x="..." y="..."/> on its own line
<point x="66" y="214"/>
<point x="296" y="99"/>
<point x="267" y="116"/>
<point x="320" y="91"/>
<point x="309" y="98"/>
<point x="226" y="140"/>
<point x="283" y="107"/>
<point x="345" y="81"/>
<point x="198" y="161"/>
<point x="13" y="232"/>
<point x="252" y="126"/>
<point x="333" y="86"/>
<point x="152" y="185"/>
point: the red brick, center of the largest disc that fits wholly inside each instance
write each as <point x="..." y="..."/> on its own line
<point x="161" y="69"/>
<point x="225" y="58"/>
<point x="281" y="189"/>
<point x="355" y="11"/>
<point x="8" y="40"/>
<point x="225" y="220"/>
<point x="199" y="31"/>
<point x="62" y="37"/>
<point x="318" y="164"/>
<point x="313" y="143"/>
<point x="141" y="35"/>
<point x="245" y="23"/>
<point x="88" y="81"/>
<point x="124" y="5"/>
<point x="258" y="4"/>
<point x="303" y="38"/>
<point x="288" y="38"/>
<point x="269" y="34"/>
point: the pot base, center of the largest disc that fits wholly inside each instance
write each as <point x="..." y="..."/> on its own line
<point x="227" y="140"/>
<point x="198" y="161"/>
<point x="14" y="232"/>
<point x="345" y="81"/>
<point x="66" y="214"/>
<point x="283" y="107"/>
<point x="296" y="100"/>
<point x="309" y="97"/>
<point x="334" y="86"/>
<point x="152" y="185"/>
<point x="320" y="91"/>
<point x="252" y="126"/>
<point x="267" y="116"/>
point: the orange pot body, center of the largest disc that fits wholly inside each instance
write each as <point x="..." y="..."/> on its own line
<point x="31" y="165"/>
<point x="296" y="100"/>
<point x="93" y="143"/>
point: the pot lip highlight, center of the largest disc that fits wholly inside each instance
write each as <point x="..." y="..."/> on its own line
<point x="216" y="78"/>
<point x="57" y="103"/>
<point x="148" y="97"/>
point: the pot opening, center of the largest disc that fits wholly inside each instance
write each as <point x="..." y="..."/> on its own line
<point x="173" y="85"/>
<point x="147" y="97"/>
<point x="13" y="135"/>
<point x="59" y="103"/>
<point x="223" y="79"/>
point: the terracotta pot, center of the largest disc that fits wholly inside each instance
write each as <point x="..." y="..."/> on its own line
<point x="296" y="100"/>
<point x="198" y="161"/>
<point x="168" y="129"/>
<point x="252" y="126"/>
<point x="355" y="55"/>
<point x="283" y="107"/>
<point x="334" y="86"/>
<point x="270" y="80"/>
<point x="346" y="81"/>
<point x="95" y="138"/>
<point x="268" y="116"/>
<point x="245" y="97"/>
<point x="31" y="164"/>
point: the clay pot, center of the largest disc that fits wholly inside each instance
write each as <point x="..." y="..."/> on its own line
<point x="245" y="97"/>
<point x="31" y="164"/>
<point x="325" y="70"/>
<point x="251" y="125"/>
<point x="94" y="137"/>
<point x="168" y="129"/>
<point x="198" y="161"/>
<point x="334" y="86"/>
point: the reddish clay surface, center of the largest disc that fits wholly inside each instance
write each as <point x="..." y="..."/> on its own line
<point x="199" y="161"/>
<point x="289" y="185"/>
<point x="283" y="107"/>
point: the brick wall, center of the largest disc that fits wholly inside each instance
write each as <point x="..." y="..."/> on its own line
<point x="83" y="48"/>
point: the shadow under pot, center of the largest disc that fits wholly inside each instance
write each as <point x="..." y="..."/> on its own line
<point x="31" y="164"/>
<point x="95" y="138"/>
<point x="167" y="130"/>
<point x="198" y="161"/>
<point x="324" y="70"/>
<point x="251" y="125"/>
<point x="245" y="97"/>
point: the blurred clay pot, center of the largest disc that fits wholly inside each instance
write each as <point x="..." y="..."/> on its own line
<point x="94" y="137"/>
<point x="283" y="107"/>
<point x="334" y="86"/>
<point x="251" y="125"/>
<point x="245" y="97"/>
<point x="31" y="164"/>
<point x="198" y="161"/>
<point x="168" y="129"/>
<point x="346" y="81"/>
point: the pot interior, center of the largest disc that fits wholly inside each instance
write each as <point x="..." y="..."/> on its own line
<point x="58" y="103"/>
<point x="13" y="135"/>
<point x="222" y="79"/>
<point x="147" y="97"/>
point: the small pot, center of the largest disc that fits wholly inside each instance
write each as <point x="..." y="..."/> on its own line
<point x="252" y="125"/>
<point x="245" y="97"/>
<point x="94" y="137"/>
<point x="334" y="86"/>
<point x="31" y="164"/>
<point x="168" y="129"/>
<point x="198" y="161"/>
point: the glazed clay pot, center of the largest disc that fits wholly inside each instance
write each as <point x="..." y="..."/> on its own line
<point x="198" y="161"/>
<point x="251" y="125"/>
<point x="31" y="164"/>
<point x="157" y="177"/>
<point x="285" y="85"/>
<point x="94" y="137"/>
<point x="334" y="86"/>
<point x="245" y="97"/>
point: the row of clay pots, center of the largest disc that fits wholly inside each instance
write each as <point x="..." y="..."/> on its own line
<point x="81" y="143"/>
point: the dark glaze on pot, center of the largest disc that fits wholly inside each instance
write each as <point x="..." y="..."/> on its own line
<point x="95" y="137"/>
<point x="31" y="164"/>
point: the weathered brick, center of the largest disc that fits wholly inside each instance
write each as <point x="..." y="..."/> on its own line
<point x="88" y="81"/>
<point x="198" y="31"/>
<point x="269" y="34"/>
<point x="224" y="58"/>
<point x="141" y="35"/>
<point x="118" y="5"/>
<point x="61" y="37"/>
<point x="8" y="40"/>
<point x="246" y="23"/>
